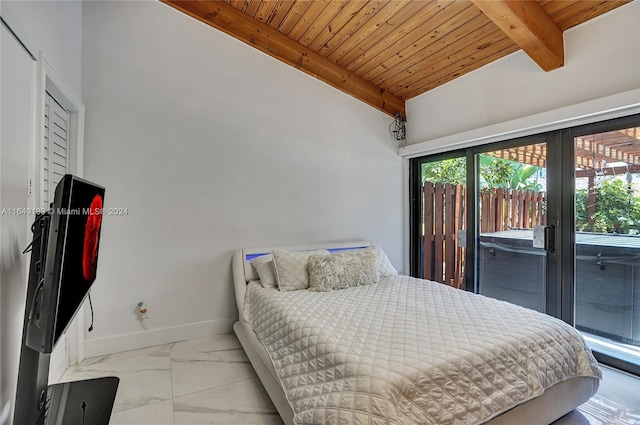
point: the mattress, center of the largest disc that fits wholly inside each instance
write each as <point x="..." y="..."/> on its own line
<point x="406" y="351"/>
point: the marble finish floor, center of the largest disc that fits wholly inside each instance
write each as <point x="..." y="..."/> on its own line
<point x="204" y="381"/>
<point x="210" y="381"/>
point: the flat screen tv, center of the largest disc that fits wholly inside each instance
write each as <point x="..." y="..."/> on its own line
<point x="70" y="262"/>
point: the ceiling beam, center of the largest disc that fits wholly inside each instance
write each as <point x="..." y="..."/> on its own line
<point x="528" y="26"/>
<point x="249" y="30"/>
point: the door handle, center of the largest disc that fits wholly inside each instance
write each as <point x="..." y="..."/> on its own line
<point x="545" y="237"/>
<point x="550" y="238"/>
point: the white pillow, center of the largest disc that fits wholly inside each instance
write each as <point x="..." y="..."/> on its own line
<point x="291" y="268"/>
<point x="385" y="268"/>
<point x="342" y="270"/>
<point x="266" y="272"/>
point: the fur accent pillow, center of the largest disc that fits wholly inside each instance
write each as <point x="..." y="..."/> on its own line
<point x="342" y="270"/>
<point x="383" y="264"/>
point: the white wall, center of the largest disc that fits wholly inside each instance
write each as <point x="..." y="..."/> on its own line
<point x="213" y="146"/>
<point x="52" y="27"/>
<point x="602" y="59"/>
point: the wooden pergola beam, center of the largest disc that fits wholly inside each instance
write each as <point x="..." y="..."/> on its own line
<point x="587" y="148"/>
<point x="529" y="27"/>
<point x="530" y="155"/>
<point x="249" y="30"/>
<point x="608" y="171"/>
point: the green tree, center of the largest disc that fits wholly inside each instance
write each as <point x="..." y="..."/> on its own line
<point x="617" y="210"/>
<point x="452" y="171"/>
<point x="524" y="177"/>
<point x="494" y="173"/>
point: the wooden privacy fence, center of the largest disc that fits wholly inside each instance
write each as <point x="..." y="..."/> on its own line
<point x="445" y="216"/>
<point x="502" y="209"/>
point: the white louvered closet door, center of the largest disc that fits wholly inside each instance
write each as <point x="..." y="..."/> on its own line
<point x="56" y="148"/>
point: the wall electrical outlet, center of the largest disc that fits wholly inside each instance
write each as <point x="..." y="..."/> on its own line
<point x="143" y="312"/>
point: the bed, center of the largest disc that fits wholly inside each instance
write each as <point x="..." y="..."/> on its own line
<point x="405" y="351"/>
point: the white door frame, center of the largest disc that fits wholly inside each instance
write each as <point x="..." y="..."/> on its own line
<point x="48" y="80"/>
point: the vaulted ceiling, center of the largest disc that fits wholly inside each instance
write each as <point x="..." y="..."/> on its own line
<point x="384" y="52"/>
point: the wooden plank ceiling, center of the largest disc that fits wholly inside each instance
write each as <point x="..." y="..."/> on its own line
<point x="384" y="52"/>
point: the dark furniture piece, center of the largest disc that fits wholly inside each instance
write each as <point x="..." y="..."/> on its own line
<point x="607" y="278"/>
<point x="81" y="402"/>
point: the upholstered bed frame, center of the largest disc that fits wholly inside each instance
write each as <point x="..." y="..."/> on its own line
<point x="556" y="401"/>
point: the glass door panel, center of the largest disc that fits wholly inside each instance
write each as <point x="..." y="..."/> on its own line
<point x="607" y="250"/>
<point x="512" y="201"/>
<point x="443" y="221"/>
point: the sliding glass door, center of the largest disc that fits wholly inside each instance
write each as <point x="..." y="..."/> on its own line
<point x="442" y="217"/>
<point x="550" y="222"/>
<point x="607" y="241"/>
<point x="511" y="205"/>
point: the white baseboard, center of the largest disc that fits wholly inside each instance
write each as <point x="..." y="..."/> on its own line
<point x="152" y="337"/>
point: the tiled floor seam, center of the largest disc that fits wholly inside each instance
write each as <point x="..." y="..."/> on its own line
<point x="214" y="387"/>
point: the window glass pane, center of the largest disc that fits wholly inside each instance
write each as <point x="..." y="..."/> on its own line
<point x="511" y="201"/>
<point x="443" y="221"/>
<point x="607" y="211"/>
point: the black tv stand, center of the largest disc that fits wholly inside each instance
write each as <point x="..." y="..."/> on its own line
<point x="87" y="402"/>
<point x="33" y="370"/>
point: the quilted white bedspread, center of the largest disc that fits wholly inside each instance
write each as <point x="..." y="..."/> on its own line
<point x="409" y="351"/>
